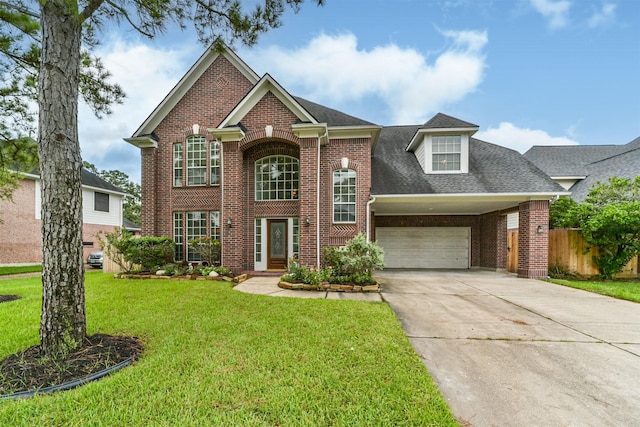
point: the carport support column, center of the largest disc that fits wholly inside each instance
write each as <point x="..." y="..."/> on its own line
<point x="533" y="239"/>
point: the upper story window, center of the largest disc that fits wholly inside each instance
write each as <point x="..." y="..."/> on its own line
<point x="344" y="195"/>
<point x="277" y="178"/>
<point x="445" y="153"/>
<point x="196" y="160"/>
<point x="178" y="164"/>
<point x="101" y="202"/>
<point x="203" y="162"/>
<point x="215" y="163"/>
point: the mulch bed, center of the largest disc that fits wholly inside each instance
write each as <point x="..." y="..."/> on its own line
<point x="7" y="298"/>
<point x="30" y="370"/>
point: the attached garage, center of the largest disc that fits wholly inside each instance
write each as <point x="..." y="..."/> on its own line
<point x="425" y="247"/>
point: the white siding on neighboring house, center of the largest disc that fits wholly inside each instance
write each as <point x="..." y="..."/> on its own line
<point x="89" y="214"/>
<point x="92" y="216"/>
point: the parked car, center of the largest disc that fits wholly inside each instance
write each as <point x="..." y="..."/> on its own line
<point x="95" y="259"/>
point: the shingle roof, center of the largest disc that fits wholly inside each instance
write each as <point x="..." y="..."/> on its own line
<point x="595" y="162"/>
<point x="492" y="169"/>
<point x="623" y="165"/>
<point x="91" y="180"/>
<point x="568" y="160"/>
<point x="443" y="121"/>
<point x="330" y="116"/>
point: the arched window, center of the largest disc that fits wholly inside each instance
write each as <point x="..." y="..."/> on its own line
<point x="344" y="195"/>
<point x="277" y="178"/>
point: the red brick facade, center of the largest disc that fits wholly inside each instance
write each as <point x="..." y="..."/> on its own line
<point x="206" y="104"/>
<point x="215" y="106"/>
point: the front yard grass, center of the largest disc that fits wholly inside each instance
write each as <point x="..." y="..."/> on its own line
<point x="36" y="268"/>
<point x="216" y="356"/>
<point x="628" y="290"/>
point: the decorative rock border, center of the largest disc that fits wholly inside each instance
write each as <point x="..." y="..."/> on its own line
<point x="185" y="277"/>
<point x="328" y="287"/>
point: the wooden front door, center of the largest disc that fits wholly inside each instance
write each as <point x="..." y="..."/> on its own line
<point x="277" y="244"/>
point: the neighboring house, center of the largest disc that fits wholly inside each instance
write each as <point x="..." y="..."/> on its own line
<point x="232" y="155"/>
<point x="20" y="230"/>
<point x="578" y="167"/>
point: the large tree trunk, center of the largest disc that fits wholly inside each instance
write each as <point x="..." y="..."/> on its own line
<point x="63" y="322"/>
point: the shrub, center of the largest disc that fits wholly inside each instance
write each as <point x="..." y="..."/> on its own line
<point x="208" y="248"/>
<point x="150" y="252"/>
<point x="115" y="245"/>
<point x="357" y="261"/>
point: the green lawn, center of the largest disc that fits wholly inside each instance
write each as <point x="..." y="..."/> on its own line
<point x="629" y="290"/>
<point x="20" y="269"/>
<point x="215" y="356"/>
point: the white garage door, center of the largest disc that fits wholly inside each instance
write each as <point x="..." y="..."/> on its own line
<point x="425" y="247"/>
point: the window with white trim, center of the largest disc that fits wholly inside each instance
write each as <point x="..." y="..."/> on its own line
<point x="196" y="160"/>
<point x="344" y="196"/>
<point x="101" y="202"/>
<point x="196" y="228"/>
<point x="198" y="224"/>
<point x="215" y="163"/>
<point x="178" y="236"/>
<point x="177" y="164"/>
<point x="445" y="153"/>
<point x="277" y="178"/>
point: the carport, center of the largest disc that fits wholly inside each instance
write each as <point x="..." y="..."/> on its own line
<point x="462" y="231"/>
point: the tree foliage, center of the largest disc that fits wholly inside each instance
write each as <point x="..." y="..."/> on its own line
<point x="45" y="50"/>
<point x="562" y="213"/>
<point x="610" y="220"/>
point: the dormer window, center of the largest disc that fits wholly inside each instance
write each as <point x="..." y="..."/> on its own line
<point x="441" y="146"/>
<point x="445" y="153"/>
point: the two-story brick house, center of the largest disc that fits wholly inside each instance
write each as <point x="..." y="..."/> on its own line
<point x="232" y="155"/>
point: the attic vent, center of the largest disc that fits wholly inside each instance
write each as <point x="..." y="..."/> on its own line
<point x="221" y="82"/>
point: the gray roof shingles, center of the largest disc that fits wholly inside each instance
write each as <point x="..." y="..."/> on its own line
<point x="595" y="162"/>
<point x="330" y="116"/>
<point x="492" y="169"/>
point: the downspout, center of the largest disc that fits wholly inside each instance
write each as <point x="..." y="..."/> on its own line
<point x="371" y="200"/>
<point x="318" y="203"/>
<point x="223" y="221"/>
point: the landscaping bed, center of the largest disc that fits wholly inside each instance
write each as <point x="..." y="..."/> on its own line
<point x="329" y="287"/>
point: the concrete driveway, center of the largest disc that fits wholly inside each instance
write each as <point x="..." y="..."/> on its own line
<point x="518" y="352"/>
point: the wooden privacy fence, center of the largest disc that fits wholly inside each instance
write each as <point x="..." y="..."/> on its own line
<point x="566" y="249"/>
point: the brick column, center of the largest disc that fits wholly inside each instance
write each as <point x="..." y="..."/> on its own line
<point x="232" y="208"/>
<point x="308" y="184"/>
<point x="148" y="179"/>
<point x="533" y="247"/>
<point x="501" y="244"/>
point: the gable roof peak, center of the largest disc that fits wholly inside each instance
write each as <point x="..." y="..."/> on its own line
<point x="440" y="121"/>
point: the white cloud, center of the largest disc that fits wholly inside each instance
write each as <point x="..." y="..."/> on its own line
<point x="604" y="16"/>
<point x="555" y="11"/>
<point x="333" y="70"/>
<point x="146" y="74"/>
<point x="521" y="139"/>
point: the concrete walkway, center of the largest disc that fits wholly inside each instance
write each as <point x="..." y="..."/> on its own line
<point x="269" y="286"/>
<point x="516" y="352"/>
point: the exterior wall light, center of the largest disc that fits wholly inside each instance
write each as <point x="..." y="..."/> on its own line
<point x="540" y="229"/>
<point x="307" y="221"/>
<point x="229" y="223"/>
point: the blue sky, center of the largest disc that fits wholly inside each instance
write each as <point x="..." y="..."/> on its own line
<point x="543" y="72"/>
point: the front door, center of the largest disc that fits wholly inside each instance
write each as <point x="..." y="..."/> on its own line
<point x="277" y="244"/>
